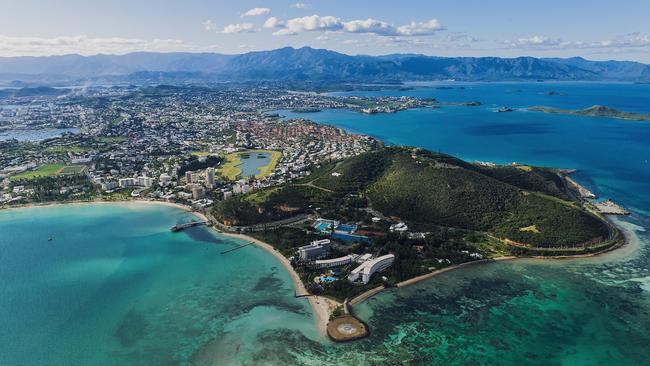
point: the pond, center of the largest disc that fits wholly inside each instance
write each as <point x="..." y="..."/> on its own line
<point x="253" y="162"/>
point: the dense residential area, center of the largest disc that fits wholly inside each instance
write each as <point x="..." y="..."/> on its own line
<point x="141" y="142"/>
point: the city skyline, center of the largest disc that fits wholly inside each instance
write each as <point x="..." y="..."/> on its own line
<point x="504" y="29"/>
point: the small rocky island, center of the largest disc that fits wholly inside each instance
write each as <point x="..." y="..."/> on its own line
<point x="596" y="111"/>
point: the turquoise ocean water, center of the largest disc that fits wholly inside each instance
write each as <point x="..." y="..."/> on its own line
<point x="116" y="287"/>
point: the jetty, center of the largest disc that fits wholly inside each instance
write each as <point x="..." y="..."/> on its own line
<point x="181" y="227"/>
<point x="237" y="247"/>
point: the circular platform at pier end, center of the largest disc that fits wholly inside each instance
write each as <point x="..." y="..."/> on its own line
<point x="346" y="328"/>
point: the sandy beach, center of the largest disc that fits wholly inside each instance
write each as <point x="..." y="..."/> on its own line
<point x="322" y="307"/>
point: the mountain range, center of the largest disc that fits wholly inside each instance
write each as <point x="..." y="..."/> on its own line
<point x="308" y="64"/>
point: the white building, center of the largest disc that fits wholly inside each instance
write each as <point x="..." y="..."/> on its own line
<point x="165" y="179"/>
<point x="368" y="268"/>
<point x="209" y="177"/>
<point x="127" y="182"/>
<point x="198" y="191"/>
<point x="317" y="249"/>
<point x="334" y="262"/>
<point x="399" y="227"/>
<point x="145" y="181"/>
<point x="109" y="185"/>
<point x="81" y="159"/>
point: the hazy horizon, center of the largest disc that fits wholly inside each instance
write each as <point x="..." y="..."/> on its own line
<point x="315" y="48"/>
<point x="603" y="30"/>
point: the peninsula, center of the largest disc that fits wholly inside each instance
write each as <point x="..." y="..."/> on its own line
<point x="596" y="111"/>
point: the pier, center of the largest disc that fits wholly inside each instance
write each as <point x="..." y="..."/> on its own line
<point x="295" y="294"/>
<point x="181" y="227"/>
<point x="237" y="247"/>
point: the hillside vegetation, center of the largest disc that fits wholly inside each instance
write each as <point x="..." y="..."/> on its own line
<point x="525" y="205"/>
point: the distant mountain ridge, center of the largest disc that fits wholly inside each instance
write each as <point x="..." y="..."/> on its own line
<point x="309" y="64"/>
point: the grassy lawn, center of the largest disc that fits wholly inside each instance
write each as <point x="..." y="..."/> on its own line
<point x="72" y="169"/>
<point x="231" y="171"/>
<point x="202" y="153"/>
<point x="111" y="139"/>
<point x="67" y="149"/>
<point x="46" y="170"/>
<point x="123" y="194"/>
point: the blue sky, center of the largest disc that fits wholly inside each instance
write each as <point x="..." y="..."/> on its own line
<point x="597" y="29"/>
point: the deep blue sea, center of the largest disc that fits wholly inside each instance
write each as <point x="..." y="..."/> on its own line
<point x="612" y="155"/>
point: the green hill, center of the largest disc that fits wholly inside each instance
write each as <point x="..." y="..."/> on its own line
<point x="526" y="205"/>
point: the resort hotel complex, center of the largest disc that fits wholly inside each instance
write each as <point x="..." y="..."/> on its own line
<point x="314" y="255"/>
<point x="369" y="267"/>
<point x="317" y="249"/>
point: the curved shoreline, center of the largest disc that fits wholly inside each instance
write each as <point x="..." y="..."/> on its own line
<point x="411" y="281"/>
<point x="322" y="307"/>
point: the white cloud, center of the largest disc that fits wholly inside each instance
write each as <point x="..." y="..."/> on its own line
<point x="322" y="38"/>
<point x="420" y="29"/>
<point x="630" y="40"/>
<point x="256" y="12"/>
<point x="351" y="41"/>
<point x="272" y="22"/>
<point x="38" y="46"/>
<point x="209" y="25"/>
<point x="370" y="26"/>
<point x="238" y="28"/>
<point x="300" y="6"/>
<point x="309" y="23"/>
<point x="534" y="41"/>
<point x="627" y="41"/>
<point x="367" y="26"/>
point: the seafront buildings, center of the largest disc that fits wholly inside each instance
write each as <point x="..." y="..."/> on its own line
<point x="334" y="262"/>
<point x="314" y="250"/>
<point x="364" y="271"/>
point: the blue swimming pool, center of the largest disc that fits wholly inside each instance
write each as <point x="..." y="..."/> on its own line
<point x="323" y="226"/>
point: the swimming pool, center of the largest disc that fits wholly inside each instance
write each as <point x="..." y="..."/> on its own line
<point x="323" y="226"/>
<point x="328" y="279"/>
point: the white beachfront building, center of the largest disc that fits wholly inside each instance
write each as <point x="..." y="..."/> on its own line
<point x="334" y="262"/>
<point x="316" y="249"/>
<point x="368" y="268"/>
